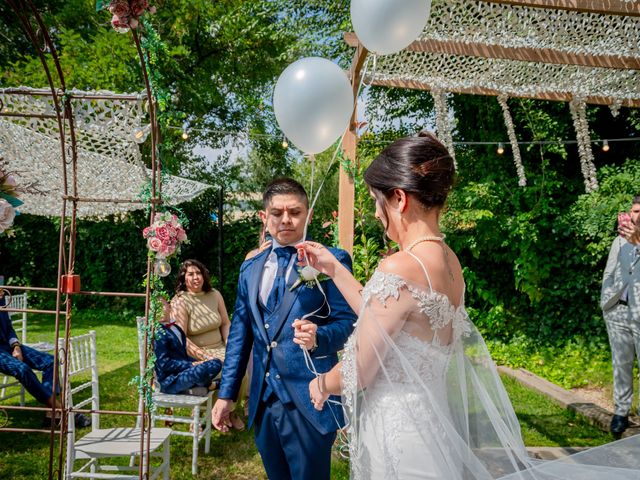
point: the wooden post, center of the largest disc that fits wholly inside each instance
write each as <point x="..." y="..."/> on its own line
<point x="346" y="195"/>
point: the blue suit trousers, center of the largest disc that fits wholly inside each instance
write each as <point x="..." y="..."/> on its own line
<point x="291" y="448"/>
<point x="200" y="375"/>
<point x="23" y="371"/>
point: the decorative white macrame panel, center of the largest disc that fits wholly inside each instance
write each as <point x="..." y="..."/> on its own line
<point x="109" y="164"/>
<point x="518" y="26"/>
<point x="512" y="26"/>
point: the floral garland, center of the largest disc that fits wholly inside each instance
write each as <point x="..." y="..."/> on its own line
<point x="442" y="121"/>
<point x="126" y="16"/>
<point x="615" y="107"/>
<point x="508" y="121"/>
<point x="578" y="109"/>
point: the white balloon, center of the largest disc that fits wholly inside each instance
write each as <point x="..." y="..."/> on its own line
<point x="388" y="26"/>
<point x="313" y="102"/>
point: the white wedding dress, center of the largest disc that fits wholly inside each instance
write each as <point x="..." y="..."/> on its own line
<point x="424" y="399"/>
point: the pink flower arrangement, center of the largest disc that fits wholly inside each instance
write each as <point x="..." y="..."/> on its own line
<point x="126" y="13"/>
<point x="165" y="235"/>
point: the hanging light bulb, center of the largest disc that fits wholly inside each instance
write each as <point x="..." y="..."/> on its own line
<point x="140" y="133"/>
<point x="605" y="146"/>
<point x="161" y="267"/>
<point x="185" y="135"/>
<point x="500" y="149"/>
<point x="285" y="144"/>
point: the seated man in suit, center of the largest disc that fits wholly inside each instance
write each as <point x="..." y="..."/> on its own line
<point x="20" y="361"/>
<point x="176" y="371"/>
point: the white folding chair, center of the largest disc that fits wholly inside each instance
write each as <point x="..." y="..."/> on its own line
<point x="9" y="386"/>
<point x="199" y="426"/>
<point x="102" y="443"/>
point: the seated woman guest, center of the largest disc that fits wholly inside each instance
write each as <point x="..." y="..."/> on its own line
<point x="200" y="312"/>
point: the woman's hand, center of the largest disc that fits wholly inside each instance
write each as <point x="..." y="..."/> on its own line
<point x="318" y="256"/>
<point x="630" y="232"/>
<point x="317" y="392"/>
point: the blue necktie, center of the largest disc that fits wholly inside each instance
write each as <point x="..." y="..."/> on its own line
<point x="277" y="292"/>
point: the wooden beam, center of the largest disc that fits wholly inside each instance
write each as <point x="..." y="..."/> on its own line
<point x="604" y="7"/>
<point x="346" y="193"/>
<point x="522" y="54"/>
<point x="553" y="96"/>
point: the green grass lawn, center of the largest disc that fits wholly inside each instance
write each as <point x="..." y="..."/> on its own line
<point x="232" y="456"/>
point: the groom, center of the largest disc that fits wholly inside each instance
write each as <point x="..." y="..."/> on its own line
<point x="293" y="438"/>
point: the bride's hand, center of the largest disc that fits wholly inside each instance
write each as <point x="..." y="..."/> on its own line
<point x="315" y="391"/>
<point x="318" y="256"/>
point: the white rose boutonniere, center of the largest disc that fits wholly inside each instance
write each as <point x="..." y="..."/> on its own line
<point x="308" y="276"/>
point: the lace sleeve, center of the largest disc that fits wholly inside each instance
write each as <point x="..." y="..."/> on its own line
<point x="387" y="303"/>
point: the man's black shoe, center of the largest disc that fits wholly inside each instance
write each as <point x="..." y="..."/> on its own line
<point x="82" y="421"/>
<point x="619" y="424"/>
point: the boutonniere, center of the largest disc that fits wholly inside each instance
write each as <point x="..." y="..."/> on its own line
<point x="308" y="276"/>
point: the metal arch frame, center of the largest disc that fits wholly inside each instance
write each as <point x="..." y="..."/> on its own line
<point x="28" y="14"/>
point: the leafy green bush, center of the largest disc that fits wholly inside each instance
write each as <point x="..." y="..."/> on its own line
<point x="576" y="363"/>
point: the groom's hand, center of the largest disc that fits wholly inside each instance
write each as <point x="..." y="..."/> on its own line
<point x="220" y="414"/>
<point x="305" y="333"/>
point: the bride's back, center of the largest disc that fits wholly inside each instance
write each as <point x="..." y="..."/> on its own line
<point x="434" y="278"/>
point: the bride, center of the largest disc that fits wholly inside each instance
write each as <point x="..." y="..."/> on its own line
<point x="421" y="392"/>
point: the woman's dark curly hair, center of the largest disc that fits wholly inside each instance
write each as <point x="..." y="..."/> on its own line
<point x="181" y="285"/>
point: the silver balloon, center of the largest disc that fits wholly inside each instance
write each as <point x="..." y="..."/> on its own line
<point x="161" y="267"/>
<point x="313" y="102"/>
<point x="388" y="26"/>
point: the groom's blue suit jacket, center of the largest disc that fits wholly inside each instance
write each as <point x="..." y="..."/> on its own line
<point x="274" y="352"/>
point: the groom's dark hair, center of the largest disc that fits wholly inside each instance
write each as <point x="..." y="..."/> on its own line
<point x="284" y="186"/>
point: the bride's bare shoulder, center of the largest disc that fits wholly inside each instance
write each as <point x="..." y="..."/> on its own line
<point x="403" y="265"/>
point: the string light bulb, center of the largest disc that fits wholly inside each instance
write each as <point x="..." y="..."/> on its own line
<point x="285" y="144"/>
<point x="605" y="146"/>
<point x="500" y="149"/>
<point x="140" y="133"/>
<point x="185" y="135"/>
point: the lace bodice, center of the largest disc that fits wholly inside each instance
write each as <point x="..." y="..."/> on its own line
<point x="408" y="363"/>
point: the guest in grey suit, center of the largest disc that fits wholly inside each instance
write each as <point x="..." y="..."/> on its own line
<point x="620" y="302"/>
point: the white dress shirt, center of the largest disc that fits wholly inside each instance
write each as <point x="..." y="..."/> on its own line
<point x="271" y="269"/>
<point x="176" y="332"/>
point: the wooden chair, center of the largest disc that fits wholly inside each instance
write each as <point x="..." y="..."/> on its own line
<point x="199" y="422"/>
<point x="102" y="443"/>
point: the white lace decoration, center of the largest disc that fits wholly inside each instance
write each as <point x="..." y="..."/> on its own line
<point x="443" y="126"/>
<point x="109" y="162"/>
<point x="513" y="140"/>
<point x="578" y="109"/>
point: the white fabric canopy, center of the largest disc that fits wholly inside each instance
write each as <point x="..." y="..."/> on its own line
<point x="109" y="163"/>
<point x="540" y="31"/>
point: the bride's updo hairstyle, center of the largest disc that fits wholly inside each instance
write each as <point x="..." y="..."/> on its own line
<point x="421" y="166"/>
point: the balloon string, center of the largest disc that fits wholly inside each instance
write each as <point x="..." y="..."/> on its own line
<point x="338" y="147"/>
<point x="373" y="71"/>
<point x="307" y="356"/>
<point x="312" y="157"/>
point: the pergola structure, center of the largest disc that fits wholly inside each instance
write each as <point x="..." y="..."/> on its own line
<point x="577" y="51"/>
